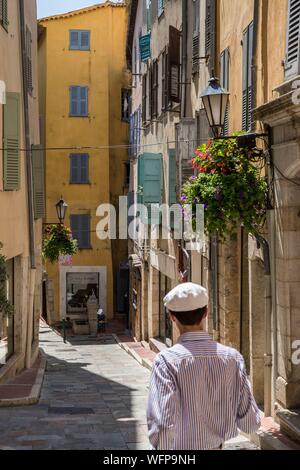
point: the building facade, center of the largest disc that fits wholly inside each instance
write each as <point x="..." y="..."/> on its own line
<point x="253" y="47"/>
<point x="83" y="106"/>
<point x="21" y="186"/>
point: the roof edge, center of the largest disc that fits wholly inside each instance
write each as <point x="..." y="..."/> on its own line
<point x="82" y="11"/>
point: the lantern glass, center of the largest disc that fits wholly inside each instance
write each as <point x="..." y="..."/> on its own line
<point x="61" y="209"/>
<point x="215" y="101"/>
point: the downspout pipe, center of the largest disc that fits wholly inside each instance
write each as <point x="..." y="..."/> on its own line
<point x="27" y="139"/>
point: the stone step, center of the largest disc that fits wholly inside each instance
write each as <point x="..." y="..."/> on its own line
<point x="289" y="421"/>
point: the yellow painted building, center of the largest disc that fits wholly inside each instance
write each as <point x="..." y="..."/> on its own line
<point x="83" y="82"/>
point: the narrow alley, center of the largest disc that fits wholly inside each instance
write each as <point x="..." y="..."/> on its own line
<point x="93" y="397"/>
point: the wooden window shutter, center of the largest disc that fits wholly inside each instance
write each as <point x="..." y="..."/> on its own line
<point x="85" y="40"/>
<point x="224" y="81"/>
<point x="83" y="101"/>
<point x="28" y="67"/>
<point x="74" y="164"/>
<point x="164" y="81"/>
<point x="247" y="100"/>
<point x="154" y="89"/>
<point x="11" y="141"/>
<point x="161" y="7"/>
<point x="196" y="36"/>
<point x="292" y="63"/>
<point x="4" y="14"/>
<point x="74" y="39"/>
<point x="140" y="179"/>
<point x="174" y="65"/>
<point x="38" y="174"/>
<point x="80" y="227"/>
<point x="210" y="35"/>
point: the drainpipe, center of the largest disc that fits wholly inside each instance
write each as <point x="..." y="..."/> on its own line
<point x="29" y="188"/>
<point x="184" y="57"/>
<point x="268" y="324"/>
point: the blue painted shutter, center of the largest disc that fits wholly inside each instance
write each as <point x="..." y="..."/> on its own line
<point x="292" y="63"/>
<point x="74" y="39"/>
<point x="84" y="40"/>
<point x="80" y="226"/>
<point x="172" y="177"/>
<point x="83" y="101"/>
<point x="74" y="100"/>
<point x="85" y="231"/>
<point x="75" y="228"/>
<point x="74" y="168"/>
<point x="84" y="168"/>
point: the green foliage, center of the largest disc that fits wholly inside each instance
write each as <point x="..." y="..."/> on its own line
<point x="58" y="241"/>
<point x="5" y="306"/>
<point x="229" y="185"/>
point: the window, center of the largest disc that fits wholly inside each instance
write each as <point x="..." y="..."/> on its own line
<point x="125" y="104"/>
<point x="164" y="81"/>
<point x="292" y="63"/>
<point x="225" y="83"/>
<point x="80" y="227"/>
<point x="210" y="35"/>
<point x="154" y="89"/>
<point x="79" y="101"/>
<point x="4" y="14"/>
<point x="127" y="174"/>
<point x="247" y="105"/>
<point x="144" y="98"/>
<point x="79" y="40"/>
<point x="148" y="14"/>
<point x="28" y="40"/>
<point x="11" y="140"/>
<point x="79" y="168"/>
<point x="161" y="7"/>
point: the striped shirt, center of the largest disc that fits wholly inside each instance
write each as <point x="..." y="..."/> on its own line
<point x="199" y="396"/>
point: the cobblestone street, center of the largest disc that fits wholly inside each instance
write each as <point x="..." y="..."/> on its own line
<point x="93" y="397"/>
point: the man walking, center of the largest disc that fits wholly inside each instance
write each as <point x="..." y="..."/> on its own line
<point x="199" y="392"/>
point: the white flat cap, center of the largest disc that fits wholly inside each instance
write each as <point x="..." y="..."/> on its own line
<point x="186" y="297"/>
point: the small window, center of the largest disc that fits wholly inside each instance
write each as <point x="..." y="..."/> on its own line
<point x="79" y="101"/>
<point x="127" y="174"/>
<point x="81" y="230"/>
<point x="79" y="169"/>
<point x="125" y="105"/>
<point x="79" y="40"/>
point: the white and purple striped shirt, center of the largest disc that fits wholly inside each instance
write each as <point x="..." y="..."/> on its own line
<point x="199" y="395"/>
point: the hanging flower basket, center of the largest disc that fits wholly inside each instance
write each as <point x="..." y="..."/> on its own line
<point x="58" y="243"/>
<point x="230" y="186"/>
<point x="6" y="308"/>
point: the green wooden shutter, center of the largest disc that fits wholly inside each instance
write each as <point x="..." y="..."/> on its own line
<point x="210" y="35"/>
<point x="292" y="63"/>
<point x="152" y="180"/>
<point x="11" y="141"/>
<point x="140" y="179"/>
<point x="38" y="173"/>
<point x="172" y="177"/>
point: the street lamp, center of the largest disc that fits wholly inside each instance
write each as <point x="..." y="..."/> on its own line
<point x="215" y="100"/>
<point x="61" y="209"/>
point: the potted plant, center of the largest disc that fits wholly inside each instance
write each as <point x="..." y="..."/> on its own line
<point x="58" y="242"/>
<point x="229" y="184"/>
